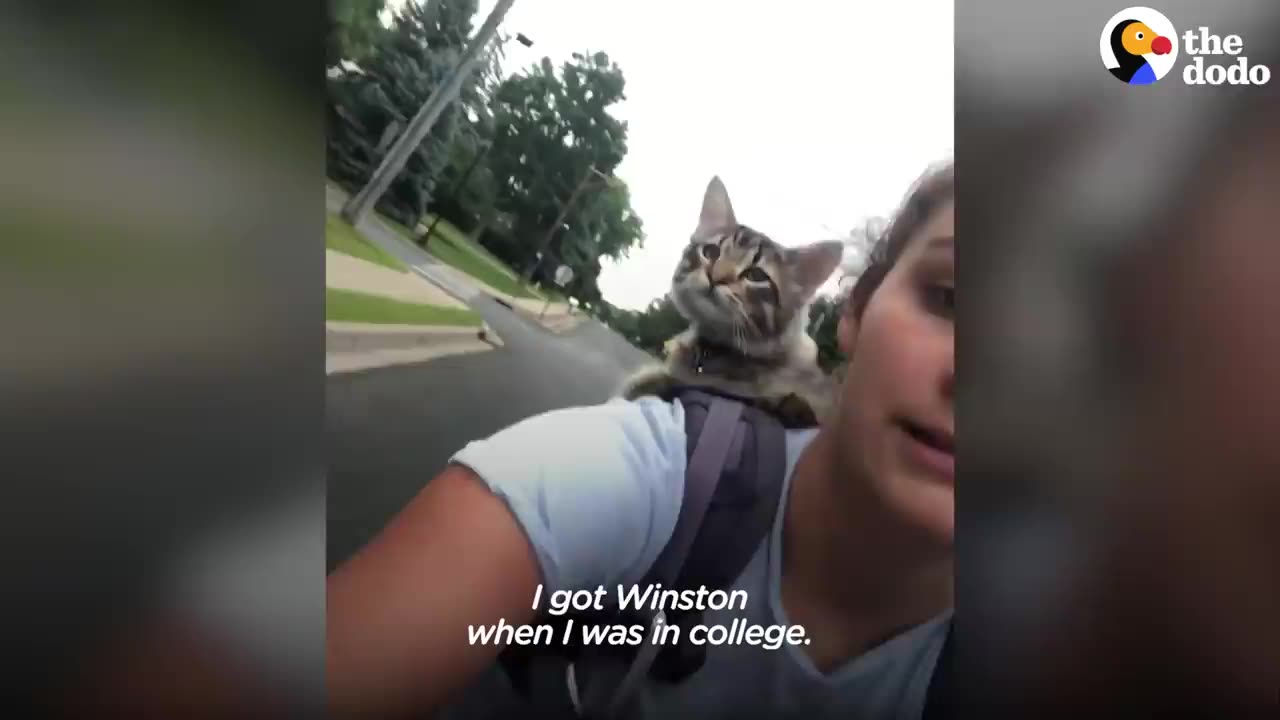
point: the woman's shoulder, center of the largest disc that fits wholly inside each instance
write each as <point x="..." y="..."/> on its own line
<point x="581" y="435"/>
<point x="597" y="489"/>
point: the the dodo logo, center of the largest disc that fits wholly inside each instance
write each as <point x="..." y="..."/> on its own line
<point x="1139" y="45"/>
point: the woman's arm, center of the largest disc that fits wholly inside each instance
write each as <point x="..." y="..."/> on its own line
<point x="398" y="610"/>
<point x="572" y="498"/>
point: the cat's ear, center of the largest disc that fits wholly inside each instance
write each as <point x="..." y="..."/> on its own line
<point x="717" y="211"/>
<point x="813" y="264"/>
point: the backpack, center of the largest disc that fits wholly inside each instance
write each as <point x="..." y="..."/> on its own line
<point x="734" y="477"/>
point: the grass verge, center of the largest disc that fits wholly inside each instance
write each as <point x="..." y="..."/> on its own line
<point x="343" y="238"/>
<point x="454" y="236"/>
<point x="452" y="247"/>
<point x="449" y="245"/>
<point x="351" y="306"/>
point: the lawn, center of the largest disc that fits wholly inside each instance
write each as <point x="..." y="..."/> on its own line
<point x="343" y="238"/>
<point x="553" y="294"/>
<point x="451" y="234"/>
<point x="449" y="245"/>
<point x="350" y="306"/>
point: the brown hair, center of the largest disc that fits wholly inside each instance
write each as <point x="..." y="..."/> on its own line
<point x="931" y="191"/>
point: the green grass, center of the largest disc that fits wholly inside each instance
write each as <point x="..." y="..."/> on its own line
<point x="343" y="238"/>
<point x="450" y="233"/>
<point x="477" y="268"/>
<point x="553" y="294"/>
<point x="350" y="306"/>
<point x="452" y="247"/>
<point x="449" y="245"/>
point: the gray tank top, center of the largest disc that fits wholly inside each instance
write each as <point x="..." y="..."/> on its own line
<point x="889" y="682"/>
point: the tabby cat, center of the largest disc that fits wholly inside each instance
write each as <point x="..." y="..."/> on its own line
<point x="747" y="302"/>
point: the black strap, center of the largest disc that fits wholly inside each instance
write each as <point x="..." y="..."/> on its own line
<point x="702" y="477"/>
<point x="736" y="462"/>
<point x="744" y="494"/>
<point x="940" y="701"/>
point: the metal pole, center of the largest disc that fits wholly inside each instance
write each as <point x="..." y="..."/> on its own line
<point x="457" y="187"/>
<point x="393" y="162"/>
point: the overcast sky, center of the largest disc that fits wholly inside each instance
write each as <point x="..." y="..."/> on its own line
<point x="817" y="116"/>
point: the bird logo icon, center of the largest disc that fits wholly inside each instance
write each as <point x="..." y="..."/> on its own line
<point x="1139" y="45"/>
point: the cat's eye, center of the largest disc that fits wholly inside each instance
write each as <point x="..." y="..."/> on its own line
<point x="755" y="274"/>
<point x="711" y="252"/>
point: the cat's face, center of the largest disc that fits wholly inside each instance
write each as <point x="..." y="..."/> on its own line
<point x="738" y="285"/>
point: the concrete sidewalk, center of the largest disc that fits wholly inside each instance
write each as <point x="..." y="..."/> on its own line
<point x="351" y="347"/>
<point x="558" y="318"/>
<point x="351" y="273"/>
<point x="447" y="278"/>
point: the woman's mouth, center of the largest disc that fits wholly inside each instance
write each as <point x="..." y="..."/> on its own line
<point x="931" y="447"/>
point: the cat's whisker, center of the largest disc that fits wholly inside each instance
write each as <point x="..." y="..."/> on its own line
<point x="745" y="323"/>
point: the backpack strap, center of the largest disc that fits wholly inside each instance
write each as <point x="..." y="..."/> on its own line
<point x="736" y="465"/>
<point x="940" y="700"/>
<point x="744" y="493"/>
<point x="707" y="459"/>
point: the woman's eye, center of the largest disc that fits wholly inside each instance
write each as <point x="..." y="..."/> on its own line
<point x="941" y="299"/>
<point x="755" y="274"/>
<point x="711" y="252"/>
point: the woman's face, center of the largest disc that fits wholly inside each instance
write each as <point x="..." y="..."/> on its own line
<point x="896" y="421"/>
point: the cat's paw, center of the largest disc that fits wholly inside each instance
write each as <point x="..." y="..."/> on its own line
<point x="650" y="381"/>
<point x="791" y="410"/>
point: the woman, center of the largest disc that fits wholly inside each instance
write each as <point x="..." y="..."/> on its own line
<point x="861" y="555"/>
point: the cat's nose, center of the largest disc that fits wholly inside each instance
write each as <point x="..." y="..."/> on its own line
<point x="721" y="273"/>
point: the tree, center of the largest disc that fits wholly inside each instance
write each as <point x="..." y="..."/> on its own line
<point x="376" y="102"/>
<point x="824" y="312"/>
<point x="659" y="323"/>
<point x="550" y="129"/>
<point x="473" y="190"/>
<point x="650" y="329"/>
<point x="354" y="27"/>
<point x="824" y="316"/>
<point x="609" y="223"/>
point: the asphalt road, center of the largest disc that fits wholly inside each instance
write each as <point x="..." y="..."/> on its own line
<point x="391" y="430"/>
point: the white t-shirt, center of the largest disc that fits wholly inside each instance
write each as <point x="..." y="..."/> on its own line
<point x="597" y="491"/>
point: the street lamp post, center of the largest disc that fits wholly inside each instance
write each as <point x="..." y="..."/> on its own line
<point x="394" y="161"/>
<point x="462" y="181"/>
<point x="592" y="173"/>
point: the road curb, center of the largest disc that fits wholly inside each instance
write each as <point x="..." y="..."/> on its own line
<point x="354" y="362"/>
<point x="557" y="323"/>
<point x="347" y="338"/>
<point x="487" y="334"/>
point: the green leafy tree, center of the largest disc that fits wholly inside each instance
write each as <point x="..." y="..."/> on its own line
<point x="354" y="28"/>
<point x="659" y="322"/>
<point x="609" y="222"/>
<point x="824" y="316"/>
<point x="371" y="106"/>
<point x="468" y="189"/>
<point x="607" y="228"/>
<point x="624" y="322"/>
<point x="650" y="329"/>
<point x="551" y="127"/>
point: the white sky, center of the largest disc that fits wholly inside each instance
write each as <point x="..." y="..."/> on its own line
<point x="816" y="117"/>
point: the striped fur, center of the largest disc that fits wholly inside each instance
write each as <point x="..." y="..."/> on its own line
<point x="748" y="297"/>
